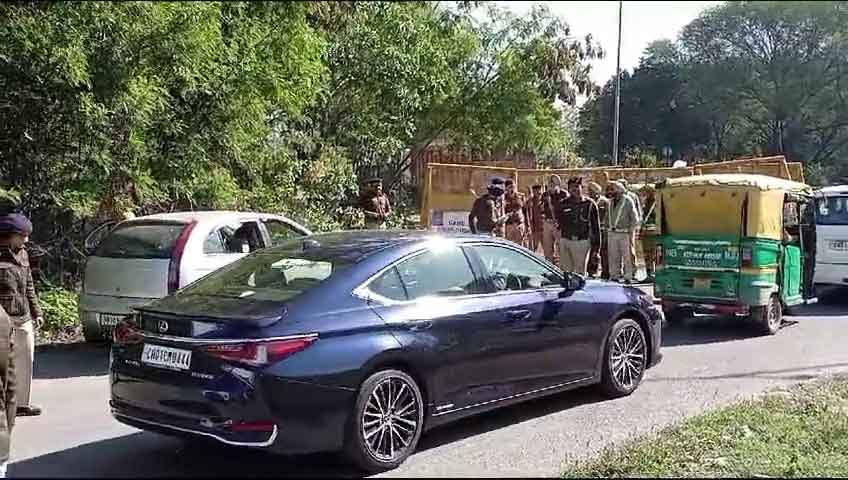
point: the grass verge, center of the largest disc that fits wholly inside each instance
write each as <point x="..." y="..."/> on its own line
<point x="799" y="432"/>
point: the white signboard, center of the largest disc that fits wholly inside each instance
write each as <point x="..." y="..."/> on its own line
<point x="450" y="221"/>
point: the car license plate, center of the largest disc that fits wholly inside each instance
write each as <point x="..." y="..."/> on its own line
<point x="702" y="283"/>
<point x="840" y="245"/>
<point x="166" y="357"/>
<point x="110" y="320"/>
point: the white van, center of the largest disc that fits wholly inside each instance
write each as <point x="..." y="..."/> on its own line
<point x="832" y="235"/>
<point x="147" y="258"/>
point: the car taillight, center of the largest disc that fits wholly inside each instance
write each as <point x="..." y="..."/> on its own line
<point x="125" y="334"/>
<point x="259" y="353"/>
<point x="747" y="257"/>
<point x="176" y="258"/>
<point x="260" y="426"/>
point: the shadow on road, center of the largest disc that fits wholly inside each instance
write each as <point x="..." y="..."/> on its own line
<point x="69" y="361"/>
<point x="150" y="455"/>
<point x="794" y="374"/>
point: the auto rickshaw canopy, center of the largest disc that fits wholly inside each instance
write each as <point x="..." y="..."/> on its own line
<point x="713" y="205"/>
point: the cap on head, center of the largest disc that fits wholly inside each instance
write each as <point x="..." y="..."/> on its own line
<point x="594" y="187"/>
<point x="537" y="186"/>
<point x="15" y="223"/>
<point x="618" y="187"/>
<point x="497" y="181"/>
<point x="575" y="181"/>
<point x="647" y="188"/>
<point x="555" y="179"/>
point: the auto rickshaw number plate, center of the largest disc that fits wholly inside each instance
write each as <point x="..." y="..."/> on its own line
<point x="839" y="244"/>
<point x="701" y="283"/>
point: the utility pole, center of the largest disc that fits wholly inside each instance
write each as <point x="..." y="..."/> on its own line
<point x="617" y="90"/>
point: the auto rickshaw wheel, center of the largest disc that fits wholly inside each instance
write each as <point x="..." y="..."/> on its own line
<point x="768" y="318"/>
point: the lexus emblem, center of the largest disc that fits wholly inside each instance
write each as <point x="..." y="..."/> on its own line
<point x="163" y="326"/>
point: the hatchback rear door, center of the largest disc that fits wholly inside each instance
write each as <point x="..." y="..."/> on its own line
<point x="133" y="260"/>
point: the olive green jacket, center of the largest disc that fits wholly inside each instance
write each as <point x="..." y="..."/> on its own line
<point x="17" y="289"/>
<point x="7" y="385"/>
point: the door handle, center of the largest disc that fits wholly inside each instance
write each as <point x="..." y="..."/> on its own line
<point x="419" y="325"/>
<point x="518" y="315"/>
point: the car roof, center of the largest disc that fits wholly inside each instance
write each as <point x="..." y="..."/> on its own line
<point x="357" y="245"/>
<point x="833" y="189"/>
<point x="203" y="217"/>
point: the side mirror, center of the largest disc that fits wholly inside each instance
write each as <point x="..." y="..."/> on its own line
<point x="572" y="282"/>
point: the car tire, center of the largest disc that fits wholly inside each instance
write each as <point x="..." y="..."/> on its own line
<point x="393" y="400"/>
<point x="625" y="359"/>
<point x="769" y="318"/>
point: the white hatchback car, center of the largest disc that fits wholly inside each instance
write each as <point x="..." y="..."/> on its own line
<point x="147" y="258"/>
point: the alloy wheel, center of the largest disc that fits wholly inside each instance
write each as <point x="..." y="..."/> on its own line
<point x="627" y="356"/>
<point x="390" y="419"/>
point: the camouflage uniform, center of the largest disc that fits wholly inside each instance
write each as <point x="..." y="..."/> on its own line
<point x="516" y="223"/>
<point x="7" y="388"/>
<point x="377" y="209"/>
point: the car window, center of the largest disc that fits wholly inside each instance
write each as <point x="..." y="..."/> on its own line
<point x="214" y="243"/>
<point x="244" y="239"/>
<point x="280" y="232"/>
<point x="389" y="285"/>
<point x="443" y="272"/>
<point x="511" y="270"/>
<point x="273" y="276"/>
<point x="141" y="240"/>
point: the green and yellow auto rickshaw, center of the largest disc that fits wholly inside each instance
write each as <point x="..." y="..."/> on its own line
<point x="734" y="244"/>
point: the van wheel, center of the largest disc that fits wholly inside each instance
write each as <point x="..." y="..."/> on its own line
<point x="769" y="317"/>
<point x="386" y="422"/>
<point x="625" y="359"/>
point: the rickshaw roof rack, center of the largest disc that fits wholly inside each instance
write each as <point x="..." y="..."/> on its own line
<point x="741" y="180"/>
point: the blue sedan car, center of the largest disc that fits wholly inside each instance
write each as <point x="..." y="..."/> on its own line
<point x="361" y="341"/>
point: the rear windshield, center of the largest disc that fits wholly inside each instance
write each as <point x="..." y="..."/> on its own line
<point x="151" y="240"/>
<point x="832" y="211"/>
<point x="271" y="275"/>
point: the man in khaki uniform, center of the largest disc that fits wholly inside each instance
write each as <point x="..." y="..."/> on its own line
<point x="18" y="299"/>
<point x="7" y="388"/>
<point x="376" y="205"/>
<point x="551" y="206"/>
<point x="487" y="215"/>
<point x="623" y="221"/>
<point x="535" y="217"/>
<point x="598" y="258"/>
<point x="580" y="228"/>
<point x="516" y="223"/>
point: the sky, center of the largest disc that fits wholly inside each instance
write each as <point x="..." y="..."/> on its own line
<point x="642" y="23"/>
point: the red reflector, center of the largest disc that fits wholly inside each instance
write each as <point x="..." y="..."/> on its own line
<point x="263" y="426"/>
<point x="125" y="334"/>
<point x="259" y="353"/>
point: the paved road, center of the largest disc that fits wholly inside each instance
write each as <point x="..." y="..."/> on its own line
<point x="705" y="365"/>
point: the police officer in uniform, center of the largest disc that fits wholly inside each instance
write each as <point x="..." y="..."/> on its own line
<point x="7" y="388"/>
<point x="487" y="216"/>
<point x="551" y="206"/>
<point x="580" y="227"/>
<point x="598" y="257"/>
<point x="516" y="223"/>
<point x="375" y="203"/>
<point x="536" y="218"/>
<point x="18" y="299"/>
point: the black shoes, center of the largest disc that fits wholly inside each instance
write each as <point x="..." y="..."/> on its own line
<point x="30" y="411"/>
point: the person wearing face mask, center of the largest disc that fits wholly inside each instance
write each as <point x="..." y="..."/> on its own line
<point x="551" y="206"/>
<point x="19" y="300"/>
<point x="623" y="221"/>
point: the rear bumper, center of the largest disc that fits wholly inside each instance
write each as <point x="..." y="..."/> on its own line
<point x="306" y="418"/>
<point x="92" y="307"/>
